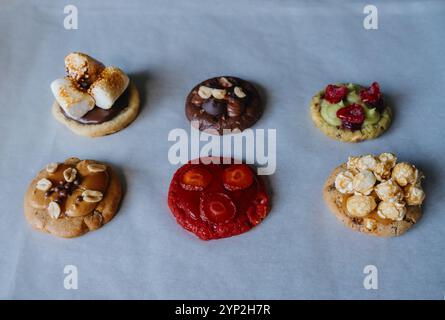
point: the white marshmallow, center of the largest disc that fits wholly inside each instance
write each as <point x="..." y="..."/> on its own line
<point x="73" y="101"/>
<point x="107" y="89"/>
<point x="83" y="68"/>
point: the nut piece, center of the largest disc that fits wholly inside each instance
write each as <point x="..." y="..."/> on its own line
<point x="391" y="210"/>
<point x="219" y="93"/>
<point x="368" y="162"/>
<point x="239" y="92"/>
<point x="389" y="191"/>
<point x="225" y="82"/>
<point x="360" y="206"/>
<point x="54" y="210"/>
<point x="414" y="195"/>
<point x="44" y="184"/>
<point x="205" y="92"/>
<point x="343" y="182"/>
<point x="52" y="167"/>
<point x="404" y="173"/>
<point x="364" y="182"/>
<point x="70" y="174"/>
<point x="96" y="167"/>
<point x="92" y="196"/>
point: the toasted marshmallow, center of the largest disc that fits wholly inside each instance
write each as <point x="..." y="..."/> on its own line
<point x="82" y="68"/>
<point x="108" y="88"/>
<point x="74" y="102"/>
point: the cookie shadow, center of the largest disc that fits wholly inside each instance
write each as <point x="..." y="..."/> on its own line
<point x="120" y="174"/>
<point x="390" y="100"/>
<point x="142" y="81"/>
<point x="262" y="91"/>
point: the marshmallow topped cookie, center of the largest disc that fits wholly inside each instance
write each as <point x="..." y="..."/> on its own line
<point x="94" y="99"/>
<point x="72" y="198"/>
<point x="376" y="195"/>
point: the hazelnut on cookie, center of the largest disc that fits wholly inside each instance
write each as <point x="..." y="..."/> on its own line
<point x="222" y="105"/>
<point x="350" y="112"/>
<point x="72" y="198"/>
<point x="375" y="194"/>
<point x="93" y="99"/>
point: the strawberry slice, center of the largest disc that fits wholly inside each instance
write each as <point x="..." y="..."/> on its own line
<point x="217" y="208"/>
<point x="196" y="179"/>
<point x="258" y="211"/>
<point x="334" y="94"/>
<point x="237" y="177"/>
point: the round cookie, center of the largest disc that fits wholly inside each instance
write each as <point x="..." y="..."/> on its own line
<point x="223" y="103"/>
<point x="217" y="200"/>
<point x="372" y="223"/>
<point x="337" y="132"/>
<point x="126" y="115"/>
<point x="72" y="198"/>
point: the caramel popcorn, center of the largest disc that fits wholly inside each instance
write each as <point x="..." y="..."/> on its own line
<point x="360" y="206"/>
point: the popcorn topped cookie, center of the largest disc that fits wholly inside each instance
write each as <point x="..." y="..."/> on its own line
<point x="375" y="194"/>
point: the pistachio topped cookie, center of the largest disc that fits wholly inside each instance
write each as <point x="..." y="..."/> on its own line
<point x="350" y="112"/>
<point x="375" y="194"/>
<point x="72" y="198"/>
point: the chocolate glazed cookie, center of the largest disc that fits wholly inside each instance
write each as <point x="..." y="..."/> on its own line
<point x="223" y="103"/>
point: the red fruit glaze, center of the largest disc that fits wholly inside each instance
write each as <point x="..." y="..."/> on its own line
<point x="196" y="179"/>
<point x="214" y="211"/>
<point x="237" y="177"/>
<point x="372" y="95"/>
<point x="334" y="94"/>
<point x="352" y="116"/>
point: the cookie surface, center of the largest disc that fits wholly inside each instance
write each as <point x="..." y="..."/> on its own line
<point x="234" y="105"/>
<point x="126" y="115"/>
<point x="66" y="209"/>
<point x="217" y="200"/>
<point x="336" y="202"/>
<point x="336" y="132"/>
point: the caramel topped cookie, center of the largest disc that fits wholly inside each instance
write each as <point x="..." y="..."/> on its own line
<point x="375" y="194"/>
<point x="71" y="198"/>
<point x="223" y="103"/>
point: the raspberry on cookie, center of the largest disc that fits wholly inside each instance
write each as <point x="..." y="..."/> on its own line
<point x="223" y="104"/>
<point x="381" y="202"/>
<point x="93" y="99"/>
<point x="72" y="198"/>
<point x="350" y="112"/>
<point x="213" y="199"/>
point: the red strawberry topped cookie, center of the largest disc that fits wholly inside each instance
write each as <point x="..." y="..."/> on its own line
<point x="217" y="200"/>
